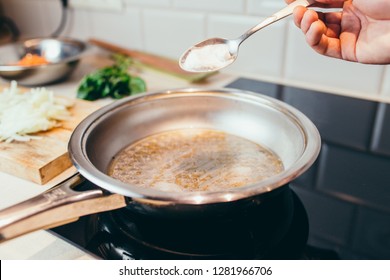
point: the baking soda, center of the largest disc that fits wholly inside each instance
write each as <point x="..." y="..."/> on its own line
<point x="208" y="58"/>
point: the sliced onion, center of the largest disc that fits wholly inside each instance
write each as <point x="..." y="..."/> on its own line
<point x="23" y="113"/>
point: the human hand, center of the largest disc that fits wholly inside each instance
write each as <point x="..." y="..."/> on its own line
<point x="360" y="33"/>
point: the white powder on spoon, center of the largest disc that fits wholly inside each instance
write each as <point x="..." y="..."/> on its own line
<point x="207" y="58"/>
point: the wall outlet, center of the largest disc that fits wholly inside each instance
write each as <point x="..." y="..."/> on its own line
<point x="104" y="5"/>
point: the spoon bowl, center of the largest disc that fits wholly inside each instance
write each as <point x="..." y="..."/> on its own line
<point x="218" y="52"/>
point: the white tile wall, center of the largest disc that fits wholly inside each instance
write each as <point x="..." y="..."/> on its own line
<point x="305" y="65"/>
<point x="261" y="54"/>
<point x="119" y="28"/>
<point x="168" y="27"/>
<point x="264" y="7"/>
<point x="149" y="3"/>
<point x="219" y="6"/>
<point x="79" y="25"/>
<point x="386" y="82"/>
<point x="172" y="32"/>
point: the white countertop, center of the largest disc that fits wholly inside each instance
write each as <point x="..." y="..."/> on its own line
<point x="43" y="244"/>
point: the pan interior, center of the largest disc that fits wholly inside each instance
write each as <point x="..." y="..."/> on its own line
<point x="192" y="159"/>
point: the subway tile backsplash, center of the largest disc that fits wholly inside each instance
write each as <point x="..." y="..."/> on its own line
<point x="304" y="65"/>
<point x="386" y="82"/>
<point x="109" y="24"/>
<point x="259" y="54"/>
<point x="264" y="7"/>
<point x="220" y="6"/>
<point x="149" y="3"/>
<point x="167" y="27"/>
<point x="162" y="31"/>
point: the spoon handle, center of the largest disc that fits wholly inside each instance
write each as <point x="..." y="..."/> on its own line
<point x="286" y="11"/>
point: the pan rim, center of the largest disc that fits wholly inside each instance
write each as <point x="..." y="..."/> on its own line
<point x="79" y="157"/>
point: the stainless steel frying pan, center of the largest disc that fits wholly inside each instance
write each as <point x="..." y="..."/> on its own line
<point x="269" y="122"/>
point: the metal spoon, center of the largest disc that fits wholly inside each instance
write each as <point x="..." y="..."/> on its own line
<point x="216" y="53"/>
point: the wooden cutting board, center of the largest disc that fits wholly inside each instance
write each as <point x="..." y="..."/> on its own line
<point x="40" y="160"/>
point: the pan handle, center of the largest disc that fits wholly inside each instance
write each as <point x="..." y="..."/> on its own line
<point x="57" y="206"/>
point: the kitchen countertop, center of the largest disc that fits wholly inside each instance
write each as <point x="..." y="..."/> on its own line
<point x="45" y="244"/>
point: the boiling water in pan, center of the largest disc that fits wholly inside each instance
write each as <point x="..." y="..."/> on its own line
<point x="194" y="160"/>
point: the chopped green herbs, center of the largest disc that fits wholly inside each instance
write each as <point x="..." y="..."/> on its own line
<point x="112" y="81"/>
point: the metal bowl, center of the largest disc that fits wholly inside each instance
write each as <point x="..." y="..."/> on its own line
<point x="63" y="55"/>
